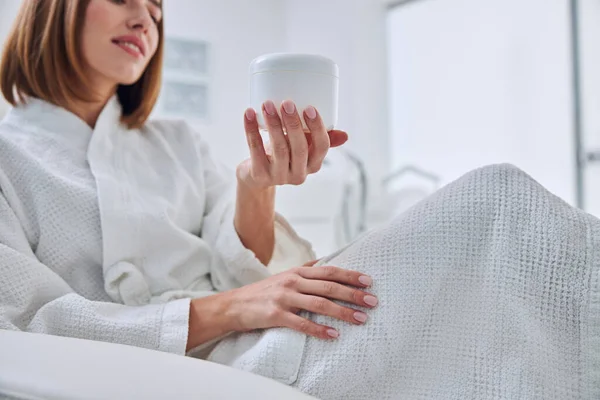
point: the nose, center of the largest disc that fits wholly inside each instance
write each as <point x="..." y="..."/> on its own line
<point x="140" y="17"/>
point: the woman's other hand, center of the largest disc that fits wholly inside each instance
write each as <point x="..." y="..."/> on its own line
<point x="294" y="155"/>
<point x="276" y="301"/>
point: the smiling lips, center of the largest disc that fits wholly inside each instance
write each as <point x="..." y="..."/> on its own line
<point x="131" y="44"/>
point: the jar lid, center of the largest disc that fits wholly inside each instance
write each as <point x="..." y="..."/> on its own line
<point x="294" y="62"/>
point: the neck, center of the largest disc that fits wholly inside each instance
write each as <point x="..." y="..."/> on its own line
<point x="89" y="111"/>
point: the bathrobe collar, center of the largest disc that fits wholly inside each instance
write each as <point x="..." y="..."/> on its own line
<point x="42" y="115"/>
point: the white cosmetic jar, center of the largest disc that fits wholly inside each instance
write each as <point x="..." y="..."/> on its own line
<point x="305" y="79"/>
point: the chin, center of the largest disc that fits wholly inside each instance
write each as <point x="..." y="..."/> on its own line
<point x="128" y="76"/>
<point x="129" y="80"/>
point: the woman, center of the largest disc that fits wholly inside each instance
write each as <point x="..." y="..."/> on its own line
<point x="114" y="228"/>
<point x="93" y="192"/>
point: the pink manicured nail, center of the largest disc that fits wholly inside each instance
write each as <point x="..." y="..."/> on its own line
<point x="311" y="112"/>
<point x="365" y="280"/>
<point x="372" y="301"/>
<point x="289" y="107"/>
<point x="270" y="107"/>
<point x="360" y="317"/>
<point x="250" y="114"/>
<point x="333" y="333"/>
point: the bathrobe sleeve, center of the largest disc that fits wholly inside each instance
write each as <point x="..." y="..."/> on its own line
<point x="35" y="299"/>
<point x="234" y="265"/>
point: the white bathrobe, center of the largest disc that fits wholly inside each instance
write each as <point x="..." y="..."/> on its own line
<point x="106" y="233"/>
<point x="489" y="289"/>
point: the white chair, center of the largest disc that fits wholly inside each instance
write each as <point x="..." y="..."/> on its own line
<point x="35" y="366"/>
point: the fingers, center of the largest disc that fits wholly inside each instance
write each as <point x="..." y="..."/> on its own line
<point x="338" y="275"/>
<point x="320" y="139"/>
<point x="296" y="154"/>
<point x="337" y="138"/>
<point x="311" y="263"/>
<point x="298" y="143"/>
<point x="260" y="162"/>
<point x="279" y="144"/>
<point x="336" y="291"/>
<point x="323" y="306"/>
<point x="308" y="327"/>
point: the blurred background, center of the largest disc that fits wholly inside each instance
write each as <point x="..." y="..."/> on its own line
<point x="429" y="89"/>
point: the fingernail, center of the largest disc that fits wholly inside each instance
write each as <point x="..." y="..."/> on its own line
<point x="360" y="317"/>
<point x="372" y="301"/>
<point x="250" y="114"/>
<point x="270" y="107"/>
<point x="365" y="280"/>
<point x="311" y="112"/>
<point x="289" y="107"/>
<point x="333" y="333"/>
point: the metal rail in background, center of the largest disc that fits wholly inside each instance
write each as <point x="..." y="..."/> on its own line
<point x="400" y="3"/>
<point x="580" y="160"/>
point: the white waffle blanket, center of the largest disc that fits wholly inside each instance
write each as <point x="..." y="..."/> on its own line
<point x="489" y="289"/>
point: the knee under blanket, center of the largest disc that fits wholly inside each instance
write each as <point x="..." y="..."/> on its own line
<point x="489" y="289"/>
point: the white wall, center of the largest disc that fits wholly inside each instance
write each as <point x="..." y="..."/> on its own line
<point x="589" y="15"/>
<point x="8" y="11"/>
<point x="353" y="34"/>
<point x="475" y="83"/>
<point x="238" y="31"/>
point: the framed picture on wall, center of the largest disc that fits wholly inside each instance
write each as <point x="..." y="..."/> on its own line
<point x="186" y="80"/>
<point x="186" y="56"/>
<point x="185" y="99"/>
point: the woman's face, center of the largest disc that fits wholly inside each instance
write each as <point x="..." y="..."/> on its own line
<point x="119" y="38"/>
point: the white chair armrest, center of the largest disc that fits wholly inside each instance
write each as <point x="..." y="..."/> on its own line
<point x="34" y="366"/>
